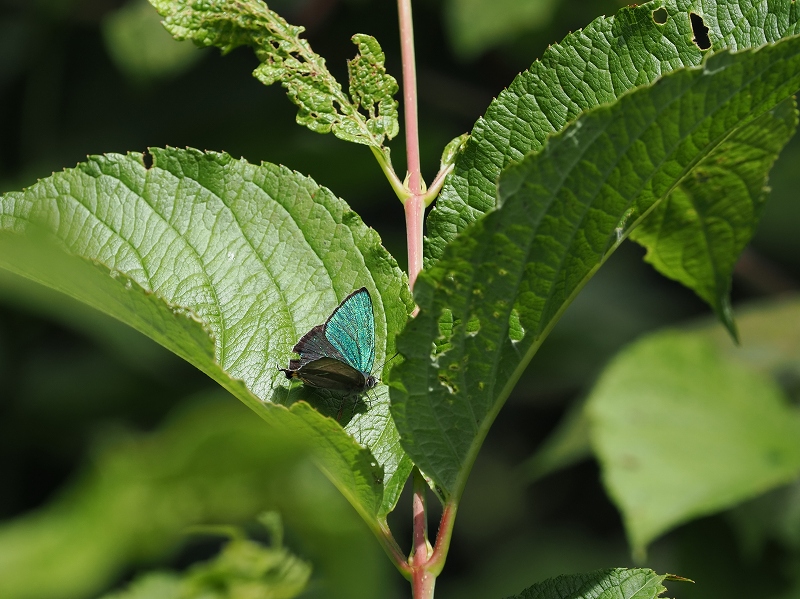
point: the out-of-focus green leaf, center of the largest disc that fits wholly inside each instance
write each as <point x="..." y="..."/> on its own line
<point x="158" y="585"/>
<point x="502" y="284"/>
<point x="213" y="463"/>
<point x="477" y="25"/>
<point x="595" y="66"/>
<point x="139" y="495"/>
<point x="681" y="431"/>
<point x="617" y="582"/>
<point x="697" y="233"/>
<point x="771" y="347"/>
<point x="242" y="570"/>
<point x="227" y="264"/>
<point x="140" y="47"/>
<point x="286" y="57"/>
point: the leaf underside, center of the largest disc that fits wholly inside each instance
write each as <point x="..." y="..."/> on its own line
<point x="227" y="264"/>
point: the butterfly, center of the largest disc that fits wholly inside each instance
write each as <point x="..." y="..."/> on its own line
<point x="339" y="355"/>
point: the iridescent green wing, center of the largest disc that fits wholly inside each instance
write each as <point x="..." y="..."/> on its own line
<point x="351" y="330"/>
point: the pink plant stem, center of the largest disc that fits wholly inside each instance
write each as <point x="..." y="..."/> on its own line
<point x="422" y="584"/>
<point x="415" y="211"/>
<point x="420" y="520"/>
<point x="423" y="577"/>
<point x="422" y="580"/>
<point x="414" y="206"/>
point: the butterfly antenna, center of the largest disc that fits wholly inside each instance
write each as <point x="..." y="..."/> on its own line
<point x="385" y="362"/>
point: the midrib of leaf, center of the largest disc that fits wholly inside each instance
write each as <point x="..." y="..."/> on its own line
<point x="467" y="272"/>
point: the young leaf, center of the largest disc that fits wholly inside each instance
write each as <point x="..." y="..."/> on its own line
<point x="619" y="583"/>
<point x="682" y="432"/>
<point x="286" y="57"/>
<point x="595" y="66"/>
<point x="505" y="281"/>
<point x="227" y="264"/>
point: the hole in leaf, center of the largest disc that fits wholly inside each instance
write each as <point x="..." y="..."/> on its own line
<point x="700" y="31"/>
<point x="147" y="159"/>
<point x="660" y="15"/>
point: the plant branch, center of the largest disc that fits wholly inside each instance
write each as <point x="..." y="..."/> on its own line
<point x="415" y="212"/>
<point x="410" y="96"/>
<point x="415" y="205"/>
<point x="422" y="581"/>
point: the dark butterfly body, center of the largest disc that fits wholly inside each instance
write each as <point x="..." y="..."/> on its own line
<point x="339" y="355"/>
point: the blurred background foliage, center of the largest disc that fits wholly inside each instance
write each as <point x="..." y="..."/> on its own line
<point x="110" y="446"/>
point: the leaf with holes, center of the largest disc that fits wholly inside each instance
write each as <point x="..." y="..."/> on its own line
<point x="227" y="264"/>
<point x="595" y="66"/>
<point x="286" y="57"/>
<point x="504" y="282"/>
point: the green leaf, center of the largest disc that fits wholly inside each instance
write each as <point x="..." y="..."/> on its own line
<point x="685" y="425"/>
<point x="590" y="67"/>
<point x="138" y="495"/>
<point x="696" y="234"/>
<point x="771" y="348"/>
<point x="286" y="57"/>
<point x="211" y="463"/>
<point x="227" y="264"/>
<point x="682" y="432"/>
<point x="242" y="568"/>
<point x="157" y="585"/>
<point x="504" y="282"/>
<point x="372" y="89"/>
<point x="613" y="582"/>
